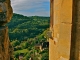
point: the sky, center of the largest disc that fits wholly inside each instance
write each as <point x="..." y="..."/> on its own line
<point x="31" y="7"/>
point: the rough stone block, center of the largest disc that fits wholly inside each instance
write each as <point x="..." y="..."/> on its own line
<point x="59" y="47"/>
<point x="5" y="12"/>
<point x="5" y="50"/>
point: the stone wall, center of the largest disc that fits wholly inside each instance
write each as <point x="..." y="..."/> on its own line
<point x="5" y="16"/>
<point x="59" y="47"/>
<point x="5" y="47"/>
<point x="75" y="38"/>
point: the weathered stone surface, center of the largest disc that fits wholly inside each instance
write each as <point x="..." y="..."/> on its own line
<point x="6" y="50"/>
<point x="5" y="9"/>
<point x="9" y="10"/>
<point x="5" y="47"/>
<point x="75" y="41"/>
<point x="59" y="48"/>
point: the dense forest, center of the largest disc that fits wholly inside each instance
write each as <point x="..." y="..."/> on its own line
<point x="25" y="32"/>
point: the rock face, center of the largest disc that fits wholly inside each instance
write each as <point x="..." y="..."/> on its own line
<point x="5" y="11"/>
<point x="5" y="47"/>
<point x="5" y="16"/>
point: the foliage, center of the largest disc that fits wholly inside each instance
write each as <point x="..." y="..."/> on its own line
<point x="25" y="32"/>
<point x="21" y="51"/>
<point x="45" y="55"/>
<point x="16" y="55"/>
<point x="23" y="27"/>
<point x="15" y="43"/>
<point x="25" y="45"/>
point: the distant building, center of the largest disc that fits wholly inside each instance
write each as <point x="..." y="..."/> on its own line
<point x="38" y="47"/>
<point x="45" y="45"/>
<point x="42" y="46"/>
<point x="30" y="58"/>
<point x="21" y="56"/>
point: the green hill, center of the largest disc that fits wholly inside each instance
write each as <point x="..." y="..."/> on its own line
<point x="25" y="32"/>
<point x="23" y="27"/>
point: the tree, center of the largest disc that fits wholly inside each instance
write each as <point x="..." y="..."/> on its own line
<point x="45" y="56"/>
<point x="15" y="43"/>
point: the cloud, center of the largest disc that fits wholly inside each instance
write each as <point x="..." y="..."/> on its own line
<point x="31" y="7"/>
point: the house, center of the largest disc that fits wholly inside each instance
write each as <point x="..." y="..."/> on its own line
<point x="38" y="47"/>
<point x="42" y="46"/>
<point x="21" y="56"/>
<point x="45" y="45"/>
<point x="30" y="58"/>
